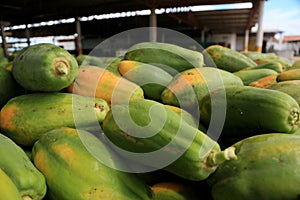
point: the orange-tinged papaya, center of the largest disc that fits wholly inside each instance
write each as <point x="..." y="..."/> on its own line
<point x="96" y="82"/>
<point x="73" y="172"/>
<point x="26" y="117"/>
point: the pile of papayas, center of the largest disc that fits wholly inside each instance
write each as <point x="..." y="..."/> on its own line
<point x="162" y="122"/>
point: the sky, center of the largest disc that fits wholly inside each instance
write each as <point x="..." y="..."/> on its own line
<point x="283" y="15"/>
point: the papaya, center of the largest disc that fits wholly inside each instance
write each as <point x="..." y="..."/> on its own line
<point x="153" y="80"/>
<point x="109" y="63"/>
<point x="251" y="110"/>
<point x="249" y="76"/>
<point x="188" y="117"/>
<point x="296" y="64"/>
<point x="173" y="191"/>
<point x="28" y="180"/>
<point x="188" y="88"/>
<point x="159" y="138"/>
<point x="292" y="74"/>
<point x="267" y="167"/>
<point x="287" y="64"/>
<point x="44" y="67"/>
<point x="101" y="83"/>
<point x="9" y="88"/>
<point x="265" y="81"/>
<point x="8" y="67"/>
<point x="228" y="59"/>
<point x="255" y="55"/>
<point x="73" y="172"/>
<point x="3" y="60"/>
<point x="84" y="60"/>
<point x="26" y="117"/>
<point x="291" y="88"/>
<point x="8" y="189"/>
<point x="170" y="57"/>
<point x="274" y="65"/>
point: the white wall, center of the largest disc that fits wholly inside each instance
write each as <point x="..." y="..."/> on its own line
<point x="227" y="39"/>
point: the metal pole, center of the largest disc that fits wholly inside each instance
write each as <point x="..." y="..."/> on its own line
<point x="79" y="37"/>
<point x="4" y="44"/>
<point x="153" y="26"/>
<point x="27" y="33"/>
<point x="246" y="40"/>
<point x="260" y="33"/>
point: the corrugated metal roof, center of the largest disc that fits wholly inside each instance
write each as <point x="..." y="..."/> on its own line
<point x="220" y="21"/>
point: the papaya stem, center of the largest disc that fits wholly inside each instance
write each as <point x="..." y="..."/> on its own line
<point x="26" y="197"/>
<point x="217" y="158"/>
<point x="61" y="67"/>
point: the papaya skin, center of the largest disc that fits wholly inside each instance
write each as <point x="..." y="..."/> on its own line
<point x="251" y="110"/>
<point x="61" y="155"/>
<point x="228" y="59"/>
<point x="291" y="88"/>
<point x="20" y="115"/>
<point x="155" y="53"/>
<point x="201" y="154"/>
<point x="7" y="121"/>
<point x="265" y="81"/>
<point x="101" y="83"/>
<point x="267" y="168"/>
<point x="29" y="181"/>
<point x="292" y="74"/>
<point x="190" y="86"/>
<point x="150" y="78"/>
<point x="8" y="189"/>
<point x="44" y="67"/>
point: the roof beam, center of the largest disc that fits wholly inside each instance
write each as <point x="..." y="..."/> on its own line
<point x="252" y="14"/>
<point x="188" y="18"/>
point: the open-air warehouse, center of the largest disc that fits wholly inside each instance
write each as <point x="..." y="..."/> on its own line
<point x="147" y="100"/>
<point x="93" y="21"/>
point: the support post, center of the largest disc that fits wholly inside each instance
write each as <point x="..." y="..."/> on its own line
<point x="27" y="33"/>
<point x="260" y="33"/>
<point x="4" y="44"/>
<point x="246" y="41"/>
<point x="78" y="40"/>
<point x="153" y="26"/>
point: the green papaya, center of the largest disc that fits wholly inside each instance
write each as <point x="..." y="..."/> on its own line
<point x="44" y="67"/>
<point x="267" y="167"/>
<point x="251" y="110"/>
<point x="29" y="181"/>
<point x="8" y="189"/>
<point x="228" y="59"/>
<point x="109" y="63"/>
<point x="254" y="55"/>
<point x="26" y="117"/>
<point x="73" y="172"/>
<point x="150" y="78"/>
<point x="295" y="65"/>
<point x="249" y="76"/>
<point x="274" y="65"/>
<point x="9" y="88"/>
<point x="291" y="88"/>
<point x="3" y="60"/>
<point x="170" y="57"/>
<point x="286" y="63"/>
<point x="292" y="74"/>
<point x="159" y="138"/>
<point x="188" y="88"/>
<point x="187" y="117"/>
